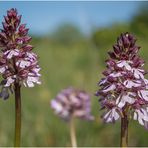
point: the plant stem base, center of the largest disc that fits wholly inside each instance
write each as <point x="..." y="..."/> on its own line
<point x="72" y="133"/>
<point x="124" y="131"/>
<point x="17" y="139"/>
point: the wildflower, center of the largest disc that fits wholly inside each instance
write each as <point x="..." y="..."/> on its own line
<point x="124" y="81"/>
<point x="17" y="61"/>
<point x="69" y="104"/>
<point x="18" y="64"/>
<point x="124" y="90"/>
<point x="72" y="103"/>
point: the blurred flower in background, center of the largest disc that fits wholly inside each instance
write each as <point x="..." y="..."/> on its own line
<point x="72" y="103"/>
<point x="69" y="104"/>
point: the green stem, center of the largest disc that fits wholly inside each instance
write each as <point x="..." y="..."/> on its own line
<point x="124" y="131"/>
<point x="17" y="115"/>
<point x="72" y="133"/>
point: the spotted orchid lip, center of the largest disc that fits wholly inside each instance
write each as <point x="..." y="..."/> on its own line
<point x="72" y="103"/>
<point x="18" y="62"/>
<point x="124" y="84"/>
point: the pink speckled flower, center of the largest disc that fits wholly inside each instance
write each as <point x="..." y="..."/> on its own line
<point x="72" y="103"/>
<point x="17" y="61"/>
<point x="124" y="90"/>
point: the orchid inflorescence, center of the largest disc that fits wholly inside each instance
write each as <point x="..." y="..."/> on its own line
<point x="72" y="103"/>
<point x="124" y="88"/>
<point x="17" y="61"/>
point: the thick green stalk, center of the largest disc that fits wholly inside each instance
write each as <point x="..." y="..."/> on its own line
<point x="124" y="131"/>
<point x="17" y="115"/>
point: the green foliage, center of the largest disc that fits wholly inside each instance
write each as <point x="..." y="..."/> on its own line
<point x="139" y="23"/>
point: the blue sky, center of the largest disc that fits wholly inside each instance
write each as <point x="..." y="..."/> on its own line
<point x="45" y="17"/>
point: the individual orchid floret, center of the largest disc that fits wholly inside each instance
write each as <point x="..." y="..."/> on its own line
<point x="124" y="90"/>
<point x="17" y="61"/>
<point x="72" y="103"/>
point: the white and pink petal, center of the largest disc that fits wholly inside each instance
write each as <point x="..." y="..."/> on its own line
<point x="23" y="63"/>
<point x="141" y="115"/>
<point x="3" y="69"/>
<point x="10" y="80"/>
<point x="109" y="88"/>
<point x="125" y="64"/>
<point x="111" y="115"/>
<point x="125" y="98"/>
<point x="138" y="73"/>
<point x="143" y="94"/>
<point x="11" y="53"/>
<point x="130" y="83"/>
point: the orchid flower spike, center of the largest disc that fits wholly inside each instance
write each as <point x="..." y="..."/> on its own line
<point x="124" y="89"/>
<point x="17" y="61"/>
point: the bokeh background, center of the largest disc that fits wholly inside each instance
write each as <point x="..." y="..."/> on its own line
<point x="72" y="40"/>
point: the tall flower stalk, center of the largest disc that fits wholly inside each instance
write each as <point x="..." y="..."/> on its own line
<point x="70" y="104"/>
<point x="18" y="64"/>
<point x="123" y="91"/>
<point x="17" y="140"/>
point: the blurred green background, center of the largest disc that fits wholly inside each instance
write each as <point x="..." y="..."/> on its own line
<point x="70" y="57"/>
